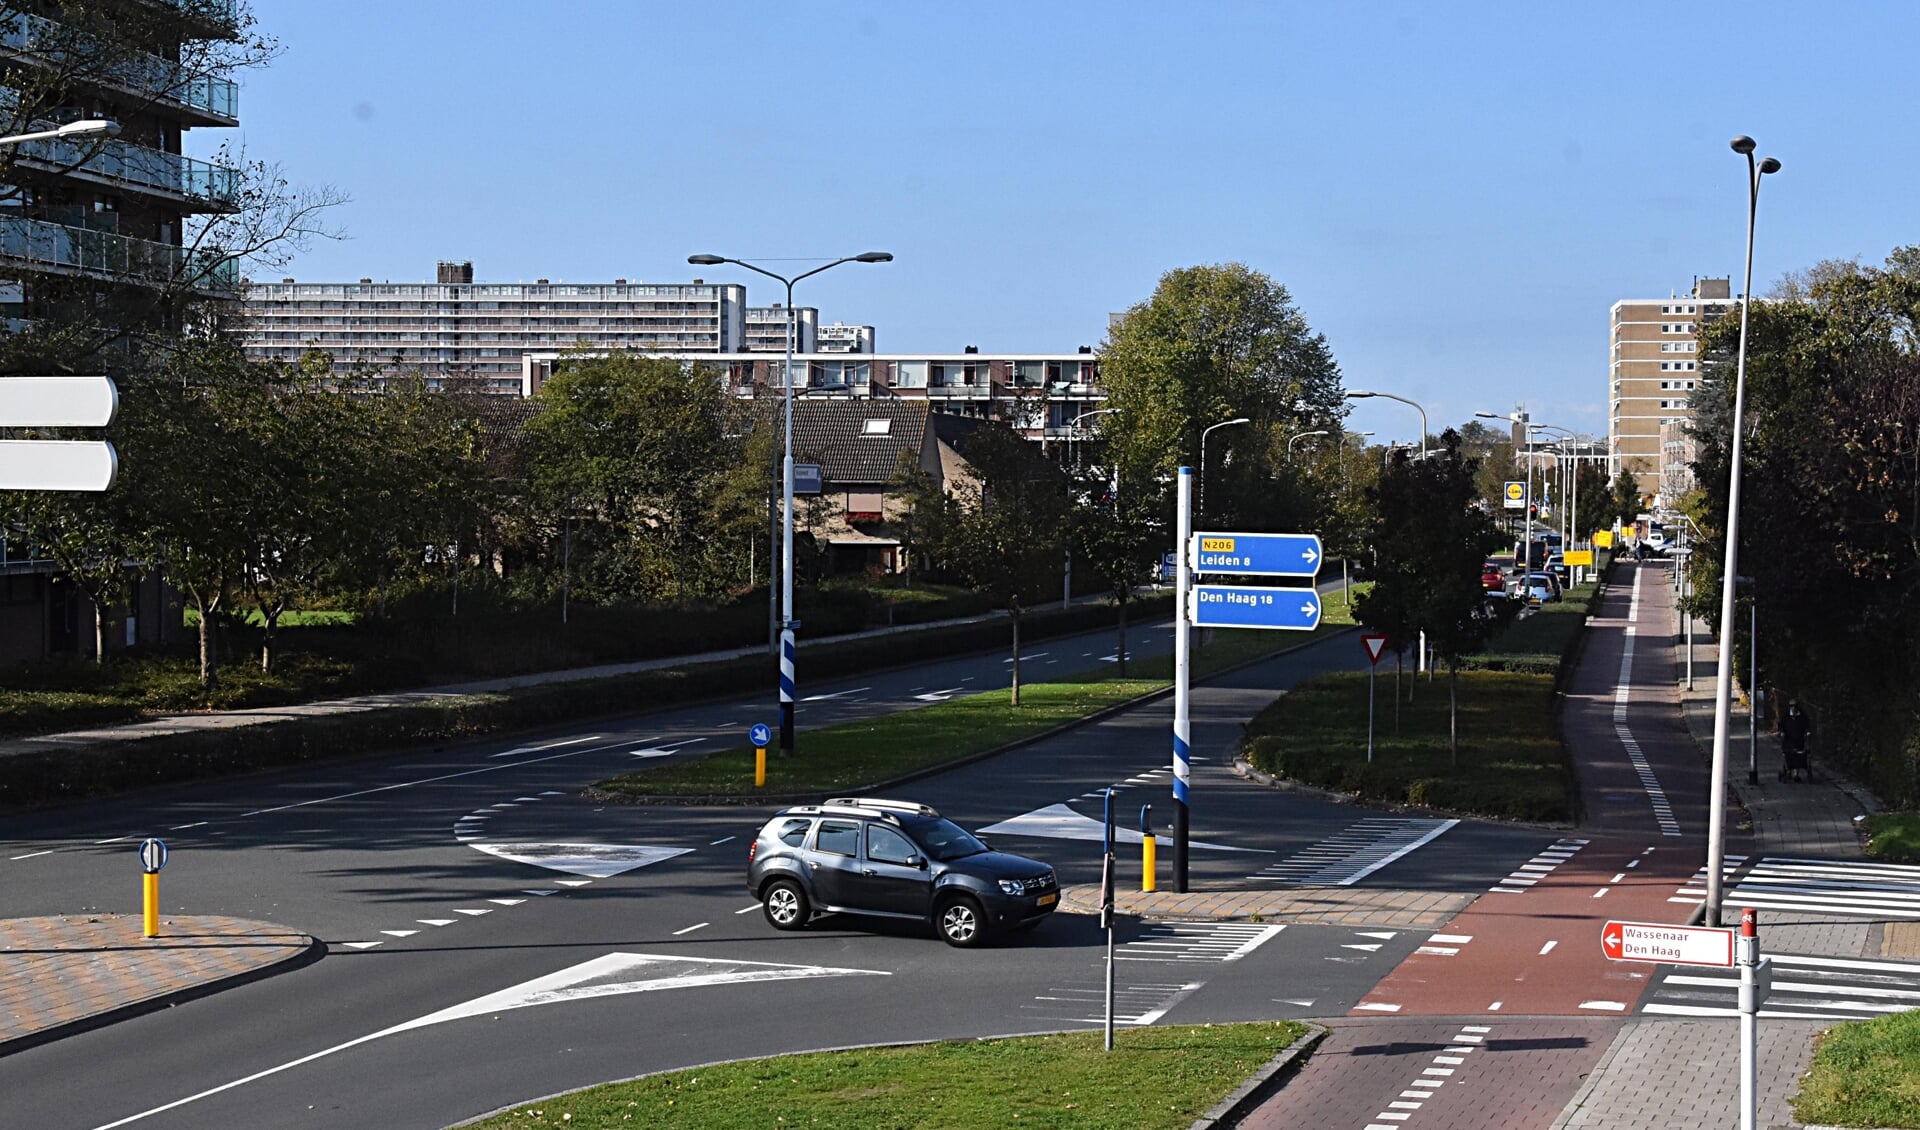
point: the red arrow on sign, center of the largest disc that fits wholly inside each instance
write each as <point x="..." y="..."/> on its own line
<point x="1610" y="940"/>
<point x="1376" y="647"/>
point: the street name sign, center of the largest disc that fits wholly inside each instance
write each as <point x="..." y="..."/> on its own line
<point x="1256" y="555"/>
<point x="57" y="402"/>
<point x="1516" y="496"/>
<point x="1376" y="647"/>
<point x="1237" y="606"/>
<point x="1668" y="945"/>
<point x="806" y="478"/>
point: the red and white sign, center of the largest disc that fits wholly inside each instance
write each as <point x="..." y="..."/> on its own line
<point x="1376" y="647"/>
<point x="1669" y="945"/>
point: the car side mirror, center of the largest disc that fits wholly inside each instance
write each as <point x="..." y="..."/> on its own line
<point x="917" y="861"/>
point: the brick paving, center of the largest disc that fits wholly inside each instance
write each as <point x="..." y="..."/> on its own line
<point x="1313" y="906"/>
<point x="1686" y="1074"/>
<point x="72" y="969"/>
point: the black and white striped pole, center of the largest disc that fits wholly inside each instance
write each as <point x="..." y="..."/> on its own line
<point x="1182" y="751"/>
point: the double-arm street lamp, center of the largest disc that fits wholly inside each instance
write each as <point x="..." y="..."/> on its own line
<point x="1200" y="481"/>
<point x="786" y="477"/>
<point x="1723" y="684"/>
<point x="1291" y="440"/>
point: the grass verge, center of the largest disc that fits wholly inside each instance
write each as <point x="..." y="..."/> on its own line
<point x="1894" y="836"/>
<point x="859" y="754"/>
<point x="1055" y="1081"/>
<point x="1865" y="1073"/>
<point x="1511" y="764"/>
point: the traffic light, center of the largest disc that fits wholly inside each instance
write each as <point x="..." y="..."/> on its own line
<point x="1533" y="511"/>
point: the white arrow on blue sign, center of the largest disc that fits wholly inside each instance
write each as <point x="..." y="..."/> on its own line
<point x="153" y="856"/>
<point x="1242" y="606"/>
<point x="1256" y="555"/>
<point x="760" y="735"/>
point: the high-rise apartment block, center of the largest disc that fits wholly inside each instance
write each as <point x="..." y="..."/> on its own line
<point x="1653" y="376"/>
<point x="456" y="329"/>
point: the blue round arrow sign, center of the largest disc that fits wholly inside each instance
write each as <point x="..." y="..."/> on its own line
<point x="760" y="734"/>
<point x="153" y="856"/>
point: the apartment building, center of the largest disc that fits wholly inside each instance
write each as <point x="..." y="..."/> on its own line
<point x="1653" y="375"/>
<point x="767" y="329"/>
<point x="838" y="338"/>
<point x="454" y="329"/>
<point x="93" y="227"/>
<point x="1039" y="394"/>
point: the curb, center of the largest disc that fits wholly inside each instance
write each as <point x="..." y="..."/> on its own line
<point x="1245" y="769"/>
<point x="744" y="800"/>
<point x="313" y="951"/>
<point x="1248" y="1095"/>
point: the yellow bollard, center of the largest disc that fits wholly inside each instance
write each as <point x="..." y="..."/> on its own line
<point x="152" y="885"/>
<point x="1147" y="852"/>
<point x="759" y="767"/>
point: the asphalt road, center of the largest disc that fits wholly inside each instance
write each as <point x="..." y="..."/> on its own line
<point x="461" y="977"/>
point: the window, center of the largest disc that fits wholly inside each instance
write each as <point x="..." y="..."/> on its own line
<point x="884" y="845"/>
<point x="877" y="428"/>
<point x="794" y="832"/>
<point x="840" y="837"/>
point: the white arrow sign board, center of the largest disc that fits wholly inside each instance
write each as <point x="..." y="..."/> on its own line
<point x="48" y="464"/>
<point x="57" y="402"/>
<point x="1671" y="945"/>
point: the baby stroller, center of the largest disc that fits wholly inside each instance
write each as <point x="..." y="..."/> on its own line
<point x="1794" y="728"/>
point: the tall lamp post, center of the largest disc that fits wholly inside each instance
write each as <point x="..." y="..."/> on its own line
<point x="1200" y="481"/>
<point x="1291" y="440"/>
<point x="786" y="477"/>
<point x="1362" y="395"/>
<point x="1723" y="681"/>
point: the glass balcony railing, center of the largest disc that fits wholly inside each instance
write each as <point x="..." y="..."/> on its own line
<point x="135" y="164"/>
<point x="117" y="257"/>
<point x="221" y="12"/>
<point x="146" y="75"/>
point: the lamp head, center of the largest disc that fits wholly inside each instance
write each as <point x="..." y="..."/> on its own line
<point x="90" y="127"/>
<point x="706" y="260"/>
<point x="1359" y="395"/>
<point x="1769" y="164"/>
<point x="1743" y="144"/>
<point x="874" y="257"/>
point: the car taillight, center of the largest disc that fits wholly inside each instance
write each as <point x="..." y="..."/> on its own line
<point x="753" y="849"/>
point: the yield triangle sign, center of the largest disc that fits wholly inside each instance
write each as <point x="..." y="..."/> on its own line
<point x="1376" y="646"/>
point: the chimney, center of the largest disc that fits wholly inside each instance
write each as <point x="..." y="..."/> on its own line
<point x="449" y="272"/>
<point x="972" y="349"/>
<point x="286" y="281"/>
<point x="619" y="282"/>
<point x="539" y="282"/>
<point x="1086" y="349"/>
<point x="366" y="282"/>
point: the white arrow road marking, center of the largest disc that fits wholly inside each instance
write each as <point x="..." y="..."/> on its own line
<point x="1058" y="822"/>
<point x="470" y="913"/>
<point x="573" y="882"/>
<point x="549" y="745"/>
<point x="436" y="921"/>
<point x="401" y="933"/>
<point x="836" y="694"/>
<point x="597" y="861"/>
<point x="361" y="945"/>
<point x="610" y="975"/>
<point x="663" y="750"/>
<point x="940" y="695"/>
<point x="507" y="902"/>
<point x="1024" y="658"/>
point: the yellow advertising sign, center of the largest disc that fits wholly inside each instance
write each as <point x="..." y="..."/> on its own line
<point x="1603" y="539"/>
<point x="1216" y="545"/>
<point x="1579" y="556"/>
<point x="1516" y="491"/>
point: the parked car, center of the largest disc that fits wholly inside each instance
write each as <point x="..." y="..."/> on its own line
<point x="1557" y="565"/>
<point x="1492" y="578"/>
<point x="893" y="859"/>
<point x="1541" y="588"/>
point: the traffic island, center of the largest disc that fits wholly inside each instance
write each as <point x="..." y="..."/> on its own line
<point x="71" y="972"/>
<point x="1306" y="906"/>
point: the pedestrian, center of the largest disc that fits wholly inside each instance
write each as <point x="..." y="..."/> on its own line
<point x="1795" y="727"/>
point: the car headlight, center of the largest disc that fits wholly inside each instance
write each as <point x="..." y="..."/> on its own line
<point x="1014" y="886"/>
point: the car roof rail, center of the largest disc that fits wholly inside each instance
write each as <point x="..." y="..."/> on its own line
<point x="885" y="805"/>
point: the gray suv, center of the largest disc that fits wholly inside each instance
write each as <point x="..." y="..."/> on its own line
<point x="893" y="859"/>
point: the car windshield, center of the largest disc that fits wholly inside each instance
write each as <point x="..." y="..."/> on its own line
<point x="943" y="839"/>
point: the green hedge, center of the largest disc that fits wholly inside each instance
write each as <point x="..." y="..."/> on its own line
<point x="68" y="774"/>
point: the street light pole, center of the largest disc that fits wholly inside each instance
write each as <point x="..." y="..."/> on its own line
<point x="86" y="127"/>
<point x="1362" y="395"/>
<point x="1073" y="457"/>
<point x="1200" y="482"/>
<point x="786" y="478"/>
<point x="1723" y="681"/>
<point x="1291" y="440"/>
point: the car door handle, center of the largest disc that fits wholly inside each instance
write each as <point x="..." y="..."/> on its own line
<point x="868" y="871"/>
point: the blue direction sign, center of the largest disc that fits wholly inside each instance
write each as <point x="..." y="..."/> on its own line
<point x="153" y="856"/>
<point x="760" y="735"/>
<point x="1169" y="567"/>
<point x="1242" y="606"/>
<point x="1256" y="555"/>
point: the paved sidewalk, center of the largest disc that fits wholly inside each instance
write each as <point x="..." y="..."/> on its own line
<point x="63" y="974"/>
<point x="1312" y="906"/>
<point x="1686" y="1073"/>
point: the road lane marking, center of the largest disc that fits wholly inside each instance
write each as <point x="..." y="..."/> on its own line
<point x="1601" y="893"/>
<point x="1495" y="1006"/>
<point x="183" y="827"/>
<point x="1372" y="1006"/>
<point x="748" y="909"/>
<point x="507" y="902"/>
<point x="1548" y="948"/>
<point x="475" y="913"/>
<point x="31" y="854"/>
<point x="1604" y="1006"/>
<point x="724" y="840"/>
<point x="436" y="921"/>
<point x="362" y="945"/>
<point x="692" y="928"/>
<point x="115" y="840"/>
<point x="542" y="748"/>
<point x="423" y="781"/>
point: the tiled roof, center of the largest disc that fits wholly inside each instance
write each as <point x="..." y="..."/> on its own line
<point x="857" y="441"/>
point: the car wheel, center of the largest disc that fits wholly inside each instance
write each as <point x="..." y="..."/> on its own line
<point x="960" y="922"/>
<point x="785" y="905"/>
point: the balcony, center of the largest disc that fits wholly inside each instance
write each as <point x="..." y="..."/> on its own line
<point x="59" y="249"/>
<point x="209" y="100"/>
<point x="215" y="187"/>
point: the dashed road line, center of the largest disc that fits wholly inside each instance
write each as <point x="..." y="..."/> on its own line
<point x="1350" y="856"/>
<point x="1623" y="689"/>
<point x="692" y="928"/>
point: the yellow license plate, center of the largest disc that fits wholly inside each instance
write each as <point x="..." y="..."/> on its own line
<point x="1049" y="900"/>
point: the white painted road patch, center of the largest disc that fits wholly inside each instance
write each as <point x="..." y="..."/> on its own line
<point x="596" y="861"/>
<point x="1059" y="822"/>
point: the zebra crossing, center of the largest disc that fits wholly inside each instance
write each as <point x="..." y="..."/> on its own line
<point x="1694" y="892"/>
<point x="1804" y="988"/>
<point x="1167" y="944"/>
<point x="1826" y="886"/>
<point x="1539" y="867"/>
<point x="1346" y="858"/>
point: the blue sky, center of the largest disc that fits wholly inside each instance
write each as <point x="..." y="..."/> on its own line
<point x="1454" y="194"/>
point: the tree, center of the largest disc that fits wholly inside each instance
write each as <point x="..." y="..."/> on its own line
<point x="921" y="512"/>
<point x="1211" y="344"/>
<point x="1434" y="532"/>
<point x="1004" y="532"/>
<point x="1119" y="530"/>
